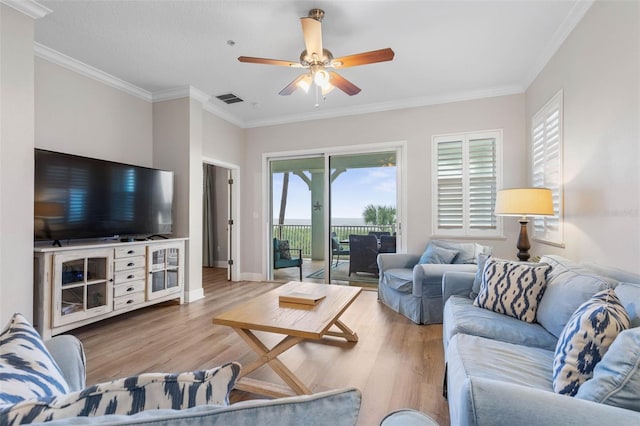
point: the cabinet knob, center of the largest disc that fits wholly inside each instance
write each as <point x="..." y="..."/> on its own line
<point x="130" y="264"/>
<point x="130" y="289"/>
<point x="110" y="280"/>
<point x="130" y="252"/>
<point x="129" y="277"/>
<point x="129" y="302"/>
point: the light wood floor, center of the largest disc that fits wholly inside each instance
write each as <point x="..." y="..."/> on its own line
<point x="396" y="364"/>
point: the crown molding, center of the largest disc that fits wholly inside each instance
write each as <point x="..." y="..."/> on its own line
<point x="72" y="64"/>
<point x="389" y="106"/>
<point x="30" y="8"/>
<point x="575" y="15"/>
<point x="200" y="96"/>
<point x="224" y="115"/>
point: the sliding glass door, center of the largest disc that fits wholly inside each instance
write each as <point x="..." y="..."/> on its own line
<point x="336" y="212"/>
<point x="363" y="219"/>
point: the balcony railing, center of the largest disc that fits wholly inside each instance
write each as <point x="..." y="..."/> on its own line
<point x="299" y="236"/>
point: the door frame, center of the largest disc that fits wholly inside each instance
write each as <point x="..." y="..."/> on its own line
<point x="401" y="194"/>
<point x="233" y="207"/>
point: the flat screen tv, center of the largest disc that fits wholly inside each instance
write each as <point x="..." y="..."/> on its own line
<point x="80" y="198"/>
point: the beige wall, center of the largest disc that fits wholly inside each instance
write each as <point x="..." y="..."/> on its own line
<point x="221" y="140"/>
<point x="79" y="115"/>
<point x="598" y="70"/>
<point x="16" y="164"/>
<point x="416" y="126"/>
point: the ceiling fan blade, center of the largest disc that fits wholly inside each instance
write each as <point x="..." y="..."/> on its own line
<point x="266" y="61"/>
<point x="312" y="33"/>
<point x="343" y="84"/>
<point x="291" y="87"/>
<point x="374" y="56"/>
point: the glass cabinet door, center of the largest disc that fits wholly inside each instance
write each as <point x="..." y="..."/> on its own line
<point x="165" y="270"/>
<point x="82" y="286"/>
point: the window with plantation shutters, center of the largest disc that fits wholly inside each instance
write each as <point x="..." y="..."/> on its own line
<point x="546" y="157"/>
<point x="466" y="175"/>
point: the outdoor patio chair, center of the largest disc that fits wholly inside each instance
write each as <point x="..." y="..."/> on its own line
<point x="283" y="258"/>
<point x="387" y="244"/>
<point x="337" y="249"/>
<point x="378" y="234"/>
<point x="363" y="254"/>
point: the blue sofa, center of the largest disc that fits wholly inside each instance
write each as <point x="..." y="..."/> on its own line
<point x="413" y="288"/>
<point x="337" y="408"/>
<point x="499" y="369"/>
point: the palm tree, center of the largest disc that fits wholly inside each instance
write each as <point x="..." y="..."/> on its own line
<point x="379" y="215"/>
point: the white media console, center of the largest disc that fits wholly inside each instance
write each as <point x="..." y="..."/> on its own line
<point x="76" y="285"/>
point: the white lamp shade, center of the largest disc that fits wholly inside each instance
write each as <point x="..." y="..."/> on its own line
<point x="524" y="202"/>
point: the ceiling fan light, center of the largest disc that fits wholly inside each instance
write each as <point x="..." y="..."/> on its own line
<point x="321" y="78"/>
<point x="327" y="88"/>
<point x="305" y="83"/>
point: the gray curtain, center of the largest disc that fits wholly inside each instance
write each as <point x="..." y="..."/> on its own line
<point x="208" y="216"/>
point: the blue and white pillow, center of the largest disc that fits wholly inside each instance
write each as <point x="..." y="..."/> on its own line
<point x="27" y="369"/>
<point x="151" y="391"/>
<point x="585" y="339"/>
<point x="512" y="288"/>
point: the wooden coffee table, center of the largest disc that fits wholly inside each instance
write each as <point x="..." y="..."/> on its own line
<point x="297" y="322"/>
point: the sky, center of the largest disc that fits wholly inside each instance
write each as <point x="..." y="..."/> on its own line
<point x="351" y="192"/>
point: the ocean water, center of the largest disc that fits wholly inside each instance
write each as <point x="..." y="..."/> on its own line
<point x="337" y="221"/>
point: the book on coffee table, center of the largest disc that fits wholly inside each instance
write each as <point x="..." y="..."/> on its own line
<point x="301" y="298"/>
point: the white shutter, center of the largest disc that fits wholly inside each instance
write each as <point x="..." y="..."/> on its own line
<point x="466" y="175"/>
<point x="482" y="183"/>
<point x="546" y="157"/>
<point x="450" y="208"/>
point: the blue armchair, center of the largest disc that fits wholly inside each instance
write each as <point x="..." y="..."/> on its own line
<point x="283" y="258"/>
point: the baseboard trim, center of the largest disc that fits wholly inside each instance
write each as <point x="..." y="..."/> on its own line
<point x="192" y="296"/>
<point x="251" y="276"/>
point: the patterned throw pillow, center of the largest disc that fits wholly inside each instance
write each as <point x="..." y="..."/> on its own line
<point x="285" y="252"/>
<point x="27" y="369"/>
<point x="151" y="391"/>
<point x="434" y="254"/>
<point x="512" y="288"/>
<point x="585" y="339"/>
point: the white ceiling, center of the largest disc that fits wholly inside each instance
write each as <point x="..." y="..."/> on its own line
<point x="445" y="50"/>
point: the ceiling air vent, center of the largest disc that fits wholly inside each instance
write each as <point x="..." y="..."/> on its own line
<point x="229" y="98"/>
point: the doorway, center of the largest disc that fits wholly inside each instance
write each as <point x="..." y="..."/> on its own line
<point x="219" y="226"/>
<point x="317" y="201"/>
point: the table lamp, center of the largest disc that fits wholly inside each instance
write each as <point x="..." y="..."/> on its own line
<point x="524" y="202"/>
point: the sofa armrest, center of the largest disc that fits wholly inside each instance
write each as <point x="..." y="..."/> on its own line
<point x="68" y="353"/>
<point x="427" y="278"/>
<point x="396" y="260"/>
<point x="456" y="283"/>
<point x="499" y="403"/>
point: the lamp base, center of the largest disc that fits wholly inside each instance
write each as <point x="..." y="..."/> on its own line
<point x="523" y="245"/>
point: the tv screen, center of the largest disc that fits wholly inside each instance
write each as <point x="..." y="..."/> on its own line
<point x="78" y="197"/>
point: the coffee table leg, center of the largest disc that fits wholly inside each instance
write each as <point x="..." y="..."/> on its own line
<point x="346" y="333"/>
<point x="270" y="357"/>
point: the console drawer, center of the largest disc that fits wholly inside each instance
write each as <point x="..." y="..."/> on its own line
<point x="128" y="288"/>
<point x="129" y="263"/>
<point x="129" y="251"/>
<point x="122" y="277"/>
<point x="128" y="300"/>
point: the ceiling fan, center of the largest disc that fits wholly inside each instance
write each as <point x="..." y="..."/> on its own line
<point x="317" y="59"/>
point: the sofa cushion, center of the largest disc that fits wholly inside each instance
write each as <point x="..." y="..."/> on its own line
<point x="511" y="288"/>
<point x="400" y="279"/>
<point x="308" y="410"/>
<point x="466" y="251"/>
<point x="435" y="254"/>
<point x="629" y="295"/>
<point x="471" y="357"/>
<point x="27" y="369"/>
<point x="616" y="378"/>
<point x="568" y="286"/>
<point x="461" y="317"/>
<point x="585" y="339"/>
<point x="477" y="280"/>
<point x="150" y="391"/>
